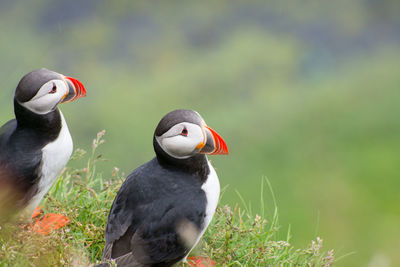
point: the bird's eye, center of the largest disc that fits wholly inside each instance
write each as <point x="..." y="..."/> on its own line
<point x="184" y="132"/>
<point x="53" y="90"/>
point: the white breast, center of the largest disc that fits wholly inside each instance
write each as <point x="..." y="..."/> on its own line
<point x="212" y="188"/>
<point x="55" y="156"/>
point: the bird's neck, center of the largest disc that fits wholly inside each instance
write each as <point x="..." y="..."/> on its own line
<point x="49" y="123"/>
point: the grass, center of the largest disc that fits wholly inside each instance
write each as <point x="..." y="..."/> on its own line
<point x="234" y="238"/>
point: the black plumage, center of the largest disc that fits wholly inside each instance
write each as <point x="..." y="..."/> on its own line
<point x="151" y="204"/>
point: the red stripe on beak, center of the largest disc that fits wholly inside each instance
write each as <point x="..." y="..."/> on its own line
<point x="220" y="146"/>
<point x="78" y="90"/>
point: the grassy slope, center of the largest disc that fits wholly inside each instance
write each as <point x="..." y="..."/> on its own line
<point x="235" y="237"/>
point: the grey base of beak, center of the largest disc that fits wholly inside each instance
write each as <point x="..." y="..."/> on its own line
<point x="71" y="94"/>
<point x="209" y="146"/>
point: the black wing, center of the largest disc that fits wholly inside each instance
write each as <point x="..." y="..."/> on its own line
<point x="20" y="158"/>
<point x="156" y="216"/>
<point x="5" y="132"/>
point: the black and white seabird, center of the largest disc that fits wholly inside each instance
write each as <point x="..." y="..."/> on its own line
<point x="164" y="206"/>
<point x="36" y="145"/>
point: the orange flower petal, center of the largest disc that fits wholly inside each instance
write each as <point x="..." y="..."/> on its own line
<point x="199" y="261"/>
<point x="36" y="212"/>
<point x="50" y="222"/>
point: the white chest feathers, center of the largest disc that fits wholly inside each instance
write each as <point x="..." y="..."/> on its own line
<point x="212" y="188"/>
<point x="55" y="156"/>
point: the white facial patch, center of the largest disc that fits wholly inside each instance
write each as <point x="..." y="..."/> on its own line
<point x="181" y="140"/>
<point x="47" y="98"/>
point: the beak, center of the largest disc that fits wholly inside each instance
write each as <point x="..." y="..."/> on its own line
<point x="76" y="90"/>
<point x="214" y="145"/>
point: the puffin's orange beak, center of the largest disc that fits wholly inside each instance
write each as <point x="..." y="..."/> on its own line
<point x="214" y="145"/>
<point x="76" y="90"/>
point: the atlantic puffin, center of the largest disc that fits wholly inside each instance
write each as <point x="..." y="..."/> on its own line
<point x="164" y="206"/>
<point x="36" y="145"/>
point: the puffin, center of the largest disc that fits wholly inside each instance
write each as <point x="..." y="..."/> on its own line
<point x="36" y="145"/>
<point x="164" y="206"/>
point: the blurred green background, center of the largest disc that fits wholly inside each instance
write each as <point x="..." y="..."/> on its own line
<point x="306" y="93"/>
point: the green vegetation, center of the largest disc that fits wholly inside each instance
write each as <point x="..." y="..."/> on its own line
<point x="235" y="237"/>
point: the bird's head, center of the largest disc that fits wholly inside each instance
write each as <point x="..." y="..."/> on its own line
<point x="42" y="90"/>
<point x="183" y="134"/>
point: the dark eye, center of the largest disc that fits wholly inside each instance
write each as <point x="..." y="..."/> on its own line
<point x="184" y="132"/>
<point x="53" y="90"/>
